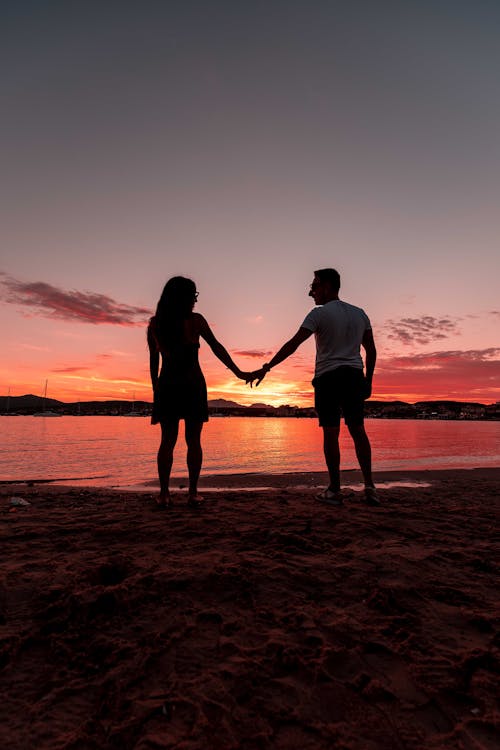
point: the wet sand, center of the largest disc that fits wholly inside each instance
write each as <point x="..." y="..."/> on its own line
<point x="262" y="620"/>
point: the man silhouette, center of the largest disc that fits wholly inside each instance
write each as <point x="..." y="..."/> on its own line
<point x="340" y="386"/>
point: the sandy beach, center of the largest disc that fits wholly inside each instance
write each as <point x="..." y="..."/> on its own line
<point x="262" y="620"/>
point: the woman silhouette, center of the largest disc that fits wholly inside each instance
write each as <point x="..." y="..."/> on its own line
<point x="180" y="391"/>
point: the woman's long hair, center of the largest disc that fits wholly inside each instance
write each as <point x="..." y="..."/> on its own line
<point x="174" y="307"/>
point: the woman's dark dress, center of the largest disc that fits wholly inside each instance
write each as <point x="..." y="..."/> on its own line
<point x="181" y="392"/>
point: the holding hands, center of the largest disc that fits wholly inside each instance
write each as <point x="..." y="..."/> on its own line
<point x="250" y="377"/>
<point x="258" y="375"/>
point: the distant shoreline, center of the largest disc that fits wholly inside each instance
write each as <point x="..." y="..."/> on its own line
<point x="31" y="405"/>
<point x="437" y="418"/>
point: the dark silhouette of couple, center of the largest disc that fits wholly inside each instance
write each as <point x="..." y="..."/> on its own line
<point x="341" y="385"/>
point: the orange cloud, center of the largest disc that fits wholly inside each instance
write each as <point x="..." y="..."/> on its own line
<point x="70" y="370"/>
<point x="460" y="375"/>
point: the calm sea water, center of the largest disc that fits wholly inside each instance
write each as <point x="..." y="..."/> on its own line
<point x="110" y="451"/>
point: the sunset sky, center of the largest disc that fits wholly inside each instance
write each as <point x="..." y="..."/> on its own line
<point x="245" y="145"/>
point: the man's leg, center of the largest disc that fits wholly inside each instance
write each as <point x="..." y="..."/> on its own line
<point x="169" y="432"/>
<point x="353" y="404"/>
<point x="363" y="452"/>
<point x="194" y="455"/>
<point x="332" y="455"/>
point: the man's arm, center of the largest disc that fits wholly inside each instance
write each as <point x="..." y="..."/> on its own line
<point x="368" y="345"/>
<point x="286" y="350"/>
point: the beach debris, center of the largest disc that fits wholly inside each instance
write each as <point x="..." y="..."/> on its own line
<point x="19" y="502"/>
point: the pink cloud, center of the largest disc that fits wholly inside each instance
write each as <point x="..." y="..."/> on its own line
<point x="422" y="330"/>
<point x="253" y="353"/>
<point x="85" y="307"/>
<point x="256" y="319"/>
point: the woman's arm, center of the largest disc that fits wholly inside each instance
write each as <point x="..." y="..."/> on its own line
<point x="217" y="348"/>
<point x="154" y="366"/>
<point x="154" y="356"/>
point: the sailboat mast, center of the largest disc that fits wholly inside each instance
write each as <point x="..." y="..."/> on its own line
<point x="44" y="405"/>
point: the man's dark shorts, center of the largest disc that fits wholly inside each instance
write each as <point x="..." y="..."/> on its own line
<point x="340" y="392"/>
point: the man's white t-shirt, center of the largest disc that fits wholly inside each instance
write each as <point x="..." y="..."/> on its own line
<point x="339" y="329"/>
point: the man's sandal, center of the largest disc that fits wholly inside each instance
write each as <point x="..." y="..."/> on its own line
<point x="163" y="503"/>
<point x="372" y="497"/>
<point x="330" y="497"/>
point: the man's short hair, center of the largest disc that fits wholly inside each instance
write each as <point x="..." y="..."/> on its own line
<point x="330" y="276"/>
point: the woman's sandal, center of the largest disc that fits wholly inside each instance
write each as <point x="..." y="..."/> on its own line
<point x="372" y="497"/>
<point x="195" y="501"/>
<point x="163" y="503"/>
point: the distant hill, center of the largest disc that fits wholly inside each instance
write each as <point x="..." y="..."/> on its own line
<point x="222" y="403"/>
<point x="446" y="404"/>
<point x="36" y="403"/>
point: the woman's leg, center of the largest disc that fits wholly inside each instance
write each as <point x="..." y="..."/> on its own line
<point x="169" y="432"/>
<point x="194" y="455"/>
